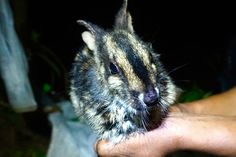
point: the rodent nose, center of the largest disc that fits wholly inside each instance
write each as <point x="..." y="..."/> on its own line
<point x="151" y="97"/>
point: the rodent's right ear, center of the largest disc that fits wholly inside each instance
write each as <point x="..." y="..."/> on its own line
<point x="93" y="34"/>
<point x="89" y="40"/>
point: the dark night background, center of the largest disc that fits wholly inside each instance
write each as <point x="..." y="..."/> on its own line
<point x="198" y="38"/>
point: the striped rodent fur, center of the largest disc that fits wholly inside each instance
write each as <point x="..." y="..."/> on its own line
<point x="118" y="84"/>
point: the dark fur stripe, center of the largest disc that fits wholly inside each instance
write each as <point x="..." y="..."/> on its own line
<point x="135" y="61"/>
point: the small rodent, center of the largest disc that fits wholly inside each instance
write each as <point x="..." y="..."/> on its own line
<point x="118" y="84"/>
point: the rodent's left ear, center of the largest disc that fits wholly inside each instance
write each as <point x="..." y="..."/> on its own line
<point x="123" y="19"/>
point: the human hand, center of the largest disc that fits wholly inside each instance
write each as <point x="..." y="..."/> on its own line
<point x="155" y="143"/>
<point x="180" y="130"/>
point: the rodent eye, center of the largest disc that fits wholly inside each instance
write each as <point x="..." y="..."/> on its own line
<point x="114" y="68"/>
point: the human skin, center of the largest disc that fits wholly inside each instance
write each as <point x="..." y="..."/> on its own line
<point x="207" y="125"/>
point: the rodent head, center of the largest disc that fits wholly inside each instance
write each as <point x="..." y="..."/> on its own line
<point x="130" y="73"/>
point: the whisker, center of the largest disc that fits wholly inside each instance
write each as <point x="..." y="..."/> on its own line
<point x="146" y="119"/>
<point x="161" y="103"/>
<point x="165" y="101"/>
<point x="173" y="70"/>
<point x="144" y="124"/>
<point x="182" y="80"/>
<point x="177" y="68"/>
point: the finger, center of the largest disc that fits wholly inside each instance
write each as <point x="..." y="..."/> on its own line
<point x="104" y="148"/>
<point x="98" y="146"/>
<point x="124" y="148"/>
<point x="95" y="147"/>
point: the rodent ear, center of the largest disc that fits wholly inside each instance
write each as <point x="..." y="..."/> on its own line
<point x="93" y="34"/>
<point x="123" y="19"/>
<point x="89" y="40"/>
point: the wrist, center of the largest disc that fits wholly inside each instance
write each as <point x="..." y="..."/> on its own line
<point x="191" y="132"/>
<point x="170" y="133"/>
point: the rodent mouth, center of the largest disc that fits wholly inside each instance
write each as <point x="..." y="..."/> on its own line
<point x="156" y="115"/>
<point x="151" y="117"/>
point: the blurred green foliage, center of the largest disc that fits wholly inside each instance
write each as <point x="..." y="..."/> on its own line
<point x="30" y="152"/>
<point x="47" y="88"/>
<point x="194" y="93"/>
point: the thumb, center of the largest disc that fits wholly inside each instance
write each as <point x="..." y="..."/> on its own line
<point x="104" y="148"/>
